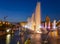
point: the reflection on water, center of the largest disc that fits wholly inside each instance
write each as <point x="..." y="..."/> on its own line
<point x="36" y="38"/>
<point x="8" y="39"/>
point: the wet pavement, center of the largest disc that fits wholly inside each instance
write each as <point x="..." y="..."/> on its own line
<point x="16" y="38"/>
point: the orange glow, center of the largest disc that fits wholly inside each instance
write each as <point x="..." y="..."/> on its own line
<point x="3" y="22"/>
<point x="54" y="34"/>
<point x="0" y="22"/>
<point x="8" y="23"/>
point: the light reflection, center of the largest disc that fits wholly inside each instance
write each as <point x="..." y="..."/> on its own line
<point x="8" y="39"/>
<point x="49" y="25"/>
<point x="39" y="27"/>
<point x="54" y="24"/>
<point x="18" y="42"/>
<point x="54" y="34"/>
<point x="8" y="30"/>
<point x="3" y="22"/>
<point x="45" y="25"/>
<point x="39" y="32"/>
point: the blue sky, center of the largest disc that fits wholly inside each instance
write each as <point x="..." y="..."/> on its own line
<point x="20" y="10"/>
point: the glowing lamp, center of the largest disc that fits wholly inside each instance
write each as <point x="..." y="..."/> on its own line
<point x="3" y="22"/>
<point x="7" y="30"/>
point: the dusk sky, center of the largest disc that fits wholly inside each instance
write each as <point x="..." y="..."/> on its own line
<point x="20" y="10"/>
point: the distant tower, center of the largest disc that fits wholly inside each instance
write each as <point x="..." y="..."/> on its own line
<point x="47" y="22"/>
<point x="38" y="17"/>
<point x="47" y="19"/>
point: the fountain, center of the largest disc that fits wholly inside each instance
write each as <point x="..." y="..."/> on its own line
<point x="34" y="23"/>
<point x="37" y="26"/>
<point x="54" y="24"/>
<point x="38" y="18"/>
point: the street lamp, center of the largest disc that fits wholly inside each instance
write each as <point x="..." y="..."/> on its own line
<point x="8" y="30"/>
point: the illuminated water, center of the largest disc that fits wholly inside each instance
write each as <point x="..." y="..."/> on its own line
<point x="13" y="38"/>
<point x="16" y="39"/>
<point x="5" y="39"/>
<point x="10" y="38"/>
